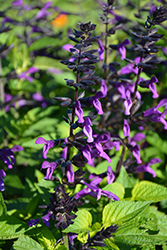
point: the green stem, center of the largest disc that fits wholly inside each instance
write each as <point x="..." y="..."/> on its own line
<point x="65" y="237"/>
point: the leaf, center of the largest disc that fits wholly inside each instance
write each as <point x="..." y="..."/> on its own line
<point x="26" y="243"/>
<point x="11" y="227"/>
<point x="81" y="223"/>
<point x="47" y="239"/>
<point x="161" y="144"/>
<point x="43" y="43"/>
<point x="110" y="243"/>
<point x="43" y="62"/>
<point x="115" y="188"/>
<point x="2" y="206"/>
<point x="119" y="212"/>
<point x="125" y="179"/>
<point x="149" y="191"/>
<point x="140" y="239"/>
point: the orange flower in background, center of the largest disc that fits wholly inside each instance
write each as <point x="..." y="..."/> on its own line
<point x="60" y="21"/>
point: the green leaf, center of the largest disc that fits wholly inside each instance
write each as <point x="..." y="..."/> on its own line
<point x="43" y="43"/>
<point x="160" y="144"/>
<point x="125" y="179"/>
<point x="149" y="191"/>
<point x="47" y="239"/>
<point x="43" y="62"/>
<point x="26" y="243"/>
<point x="132" y="238"/>
<point x="119" y="212"/>
<point x="11" y="227"/>
<point x="81" y="223"/>
<point x="111" y="244"/>
<point x="116" y="189"/>
<point x="2" y="206"/>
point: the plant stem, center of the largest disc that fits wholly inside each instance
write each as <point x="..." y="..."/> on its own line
<point x="65" y="237"/>
<point x="121" y="160"/>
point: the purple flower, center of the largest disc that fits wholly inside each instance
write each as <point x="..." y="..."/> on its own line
<point x="97" y="192"/>
<point x="121" y="48"/>
<point x="150" y="84"/>
<point x="88" y="130"/>
<point x="136" y="153"/>
<point x="155" y="115"/>
<point x="128" y="103"/>
<point x="147" y="168"/>
<point x="2" y="176"/>
<point x="46" y="218"/>
<point x="79" y="112"/>
<point x="101" y="152"/>
<point x="17" y="3"/>
<point x="43" y="12"/>
<point x="130" y="67"/>
<point x="25" y="75"/>
<point x="7" y="155"/>
<point x="101" y="50"/>
<point x="33" y="222"/>
<point x="126" y="128"/>
<point x="103" y="89"/>
<point x="86" y="151"/>
<point x="50" y="168"/>
<point x="93" y="100"/>
<point x="48" y="144"/>
<point x="70" y="173"/>
<point x="68" y="47"/>
<point x="110" y="175"/>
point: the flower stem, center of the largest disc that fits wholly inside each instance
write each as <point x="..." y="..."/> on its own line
<point x="65" y="237"/>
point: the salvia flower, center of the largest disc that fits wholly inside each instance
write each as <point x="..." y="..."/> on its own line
<point x="150" y="84"/>
<point x="2" y="176"/>
<point x="79" y="112"/>
<point x="25" y="75"/>
<point x="50" y="168"/>
<point x="88" y="130"/>
<point x="146" y="167"/>
<point x="48" y="144"/>
<point x="101" y="50"/>
<point x="7" y="156"/>
<point x="121" y="48"/>
<point x="43" y="12"/>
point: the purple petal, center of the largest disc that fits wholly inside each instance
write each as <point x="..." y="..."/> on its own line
<point x="102" y="153"/>
<point x="40" y="140"/>
<point x="79" y="112"/>
<point x="17" y="3"/>
<point x="98" y="107"/>
<point x="136" y="153"/>
<point x="33" y="222"/>
<point x="16" y="148"/>
<point x="2" y="175"/>
<point x="103" y="88"/>
<point x="110" y="175"/>
<point x="68" y="47"/>
<point x="70" y="173"/>
<point x="126" y="128"/>
<point x="88" y="130"/>
<point x="101" y="50"/>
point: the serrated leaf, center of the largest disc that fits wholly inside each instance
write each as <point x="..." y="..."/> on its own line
<point x="11" y="227"/>
<point x="81" y="223"/>
<point x="115" y="188"/>
<point x="140" y="239"/>
<point x="26" y="243"/>
<point x="149" y="191"/>
<point x="2" y="205"/>
<point x="120" y="212"/>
